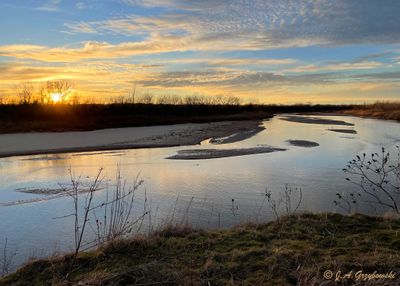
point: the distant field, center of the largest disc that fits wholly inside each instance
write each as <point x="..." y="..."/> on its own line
<point x="69" y="117"/>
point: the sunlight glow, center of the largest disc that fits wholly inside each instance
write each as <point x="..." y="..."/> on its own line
<point x="55" y="97"/>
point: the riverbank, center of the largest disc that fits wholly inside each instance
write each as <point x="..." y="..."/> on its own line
<point x="126" y="138"/>
<point x="86" y="117"/>
<point x="379" y="110"/>
<point x="220" y="132"/>
<point x="294" y="250"/>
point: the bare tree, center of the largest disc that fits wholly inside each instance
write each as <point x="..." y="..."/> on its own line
<point x="26" y="93"/>
<point x="132" y="94"/>
<point x="233" y="100"/>
<point x="168" y="99"/>
<point x="193" y="100"/>
<point x="175" y="99"/>
<point x="146" y="98"/>
<point x="62" y="87"/>
<point x="119" y="100"/>
<point x="161" y="99"/>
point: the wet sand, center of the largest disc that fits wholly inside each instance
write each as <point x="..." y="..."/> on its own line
<point x="348" y="131"/>
<point x="315" y="120"/>
<point x="125" y="138"/>
<point x="237" y="136"/>
<point x="303" y="143"/>
<point x="196" y="154"/>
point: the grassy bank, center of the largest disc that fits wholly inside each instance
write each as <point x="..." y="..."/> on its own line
<point x="296" y="250"/>
<point x="68" y="117"/>
<point x="380" y="110"/>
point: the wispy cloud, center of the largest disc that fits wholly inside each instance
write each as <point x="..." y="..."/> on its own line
<point x="82" y="27"/>
<point x="89" y="50"/>
<point x="390" y="75"/>
<point x="336" y="67"/>
<point x="50" y="6"/>
<point x="97" y="50"/>
<point x="232" y="78"/>
<point x="80" y="6"/>
<point x="269" y="24"/>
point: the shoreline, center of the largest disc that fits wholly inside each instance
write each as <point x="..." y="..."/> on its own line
<point x="161" y="136"/>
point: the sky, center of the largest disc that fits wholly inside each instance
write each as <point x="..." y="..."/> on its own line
<point x="266" y="51"/>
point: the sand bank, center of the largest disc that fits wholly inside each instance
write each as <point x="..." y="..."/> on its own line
<point x="348" y="131"/>
<point x="196" y="154"/>
<point x="123" y="138"/>
<point x="242" y="135"/>
<point x="303" y="143"/>
<point x="315" y="120"/>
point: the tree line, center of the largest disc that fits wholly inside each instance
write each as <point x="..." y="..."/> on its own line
<point x="62" y="92"/>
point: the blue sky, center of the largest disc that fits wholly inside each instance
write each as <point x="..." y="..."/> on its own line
<point x="280" y="51"/>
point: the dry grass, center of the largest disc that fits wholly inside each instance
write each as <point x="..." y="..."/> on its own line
<point x="295" y="250"/>
<point x="381" y="110"/>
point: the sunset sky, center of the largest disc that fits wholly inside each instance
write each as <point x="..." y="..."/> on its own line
<point x="273" y="51"/>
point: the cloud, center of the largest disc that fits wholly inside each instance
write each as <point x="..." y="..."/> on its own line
<point x="274" y="23"/>
<point x="229" y="62"/>
<point x="102" y="79"/>
<point x="231" y="79"/>
<point x="50" y="6"/>
<point x="371" y="57"/>
<point x="390" y="75"/>
<point x="337" y="67"/>
<point x="16" y="72"/>
<point x="255" y="25"/>
<point x="80" y="5"/>
<point x="81" y="27"/>
<point x="91" y="50"/>
<point x="102" y="50"/>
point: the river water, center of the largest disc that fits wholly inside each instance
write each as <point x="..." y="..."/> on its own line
<point x="208" y="193"/>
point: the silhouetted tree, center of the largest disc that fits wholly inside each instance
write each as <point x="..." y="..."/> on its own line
<point x="26" y="93"/>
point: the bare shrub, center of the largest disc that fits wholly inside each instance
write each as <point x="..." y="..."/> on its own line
<point x="378" y="177"/>
<point x="114" y="217"/>
<point x="110" y="219"/>
<point x="81" y="214"/>
<point x="6" y="259"/>
<point x="287" y="203"/>
<point x="347" y="201"/>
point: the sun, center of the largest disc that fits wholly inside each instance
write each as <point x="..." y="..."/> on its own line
<point x="55" y="97"/>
